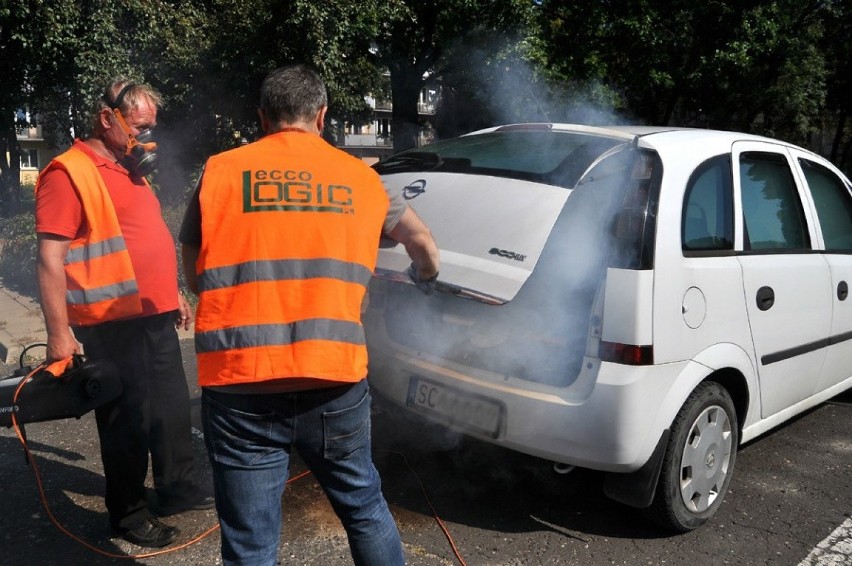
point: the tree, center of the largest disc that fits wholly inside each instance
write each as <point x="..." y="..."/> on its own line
<point x="250" y="38"/>
<point x="413" y="39"/>
<point x="838" y="54"/>
<point x="749" y="65"/>
<point x="13" y="53"/>
<point x="57" y="56"/>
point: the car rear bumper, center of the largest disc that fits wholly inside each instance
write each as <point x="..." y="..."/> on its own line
<point x="608" y="419"/>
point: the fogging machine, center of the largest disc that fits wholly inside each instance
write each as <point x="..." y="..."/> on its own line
<point x="80" y="386"/>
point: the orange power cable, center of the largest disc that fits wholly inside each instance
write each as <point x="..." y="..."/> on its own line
<point x="438" y="520"/>
<point x="204" y="534"/>
<point x="68" y="533"/>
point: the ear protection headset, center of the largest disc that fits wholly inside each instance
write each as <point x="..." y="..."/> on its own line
<point x="140" y="155"/>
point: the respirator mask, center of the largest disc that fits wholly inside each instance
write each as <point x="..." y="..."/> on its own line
<point x="140" y="155"/>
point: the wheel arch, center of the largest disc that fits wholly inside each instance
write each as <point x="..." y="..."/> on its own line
<point x="637" y="489"/>
<point x="734" y="368"/>
<point x="737" y="386"/>
<point x="725" y="363"/>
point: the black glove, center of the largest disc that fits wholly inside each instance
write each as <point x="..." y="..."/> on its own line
<point x="425" y="285"/>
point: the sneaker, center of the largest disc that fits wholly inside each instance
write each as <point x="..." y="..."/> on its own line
<point x="151" y="533"/>
<point x="197" y="501"/>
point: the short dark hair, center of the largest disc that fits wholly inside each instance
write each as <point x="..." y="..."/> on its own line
<point x="293" y="93"/>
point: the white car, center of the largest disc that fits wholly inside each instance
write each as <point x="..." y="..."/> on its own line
<point x="629" y="299"/>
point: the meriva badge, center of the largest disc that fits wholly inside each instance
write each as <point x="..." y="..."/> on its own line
<point x="276" y="189"/>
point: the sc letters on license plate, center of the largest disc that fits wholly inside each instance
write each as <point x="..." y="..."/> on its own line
<point x="454" y="407"/>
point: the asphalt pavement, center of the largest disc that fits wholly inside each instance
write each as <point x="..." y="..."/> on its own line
<point x="455" y="501"/>
<point x="52" y="513"/>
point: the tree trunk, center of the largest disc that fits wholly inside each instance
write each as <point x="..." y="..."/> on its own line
<point x="405" y="122"/>
<point x="10" y="168"/>
<point x="838" y="138"/>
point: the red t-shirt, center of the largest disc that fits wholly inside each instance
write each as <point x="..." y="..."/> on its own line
<point x="149" y="242"/>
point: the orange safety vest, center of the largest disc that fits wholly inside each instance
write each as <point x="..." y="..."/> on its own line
<point x="101" y="284"/>
<point x="290" y="229"/>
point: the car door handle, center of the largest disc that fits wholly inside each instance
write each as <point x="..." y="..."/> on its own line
<point x="842" y="290"/>
<point x="765" y="298"/>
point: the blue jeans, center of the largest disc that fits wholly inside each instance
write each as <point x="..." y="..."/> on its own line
<point x="249" y="438"/>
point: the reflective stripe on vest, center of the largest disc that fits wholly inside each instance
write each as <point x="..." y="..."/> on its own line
<point x="277" y="270"/>
<point x="101" y="284"/>
<point x="97" y="249"/>
<point x="91" y="296"/>
<point x="279" y="334"/>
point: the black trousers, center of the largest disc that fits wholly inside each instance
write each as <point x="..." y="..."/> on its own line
<point x="150" y="417"/>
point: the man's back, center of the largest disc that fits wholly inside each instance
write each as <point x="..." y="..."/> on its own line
<point x="289" y="237"/>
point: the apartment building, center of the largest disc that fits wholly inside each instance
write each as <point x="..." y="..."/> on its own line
<point x="370" y="142"/>
<point x="35" y="151"/>
<point x="374" y="141"/>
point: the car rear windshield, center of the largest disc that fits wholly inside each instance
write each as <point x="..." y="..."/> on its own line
<point x="552" y="157"/>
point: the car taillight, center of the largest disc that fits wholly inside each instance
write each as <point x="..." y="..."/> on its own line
<point x="627" y="354"/>
<point x="635" y="224"/>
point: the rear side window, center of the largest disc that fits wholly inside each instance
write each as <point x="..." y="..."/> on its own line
<point x="833" y="204"/>
<point x="707" y="221"/>
<point x="772" y="211"/>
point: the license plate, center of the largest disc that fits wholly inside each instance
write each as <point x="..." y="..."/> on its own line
<point x="468" y="411"/>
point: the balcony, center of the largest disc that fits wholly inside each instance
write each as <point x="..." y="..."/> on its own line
<point x="427" y="108"/>
<point x="31" y="133"/>
<point x="367" y="140"/>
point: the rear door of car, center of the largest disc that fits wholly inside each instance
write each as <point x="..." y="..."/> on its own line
<point x="787" y="281"/>
<point x="832" y="203"/>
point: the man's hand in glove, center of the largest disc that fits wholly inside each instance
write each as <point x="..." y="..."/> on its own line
<point x="427" y="286"/>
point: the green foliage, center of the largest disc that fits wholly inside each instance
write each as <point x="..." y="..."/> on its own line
<point x="779" y="67"/>
<point x="18" y="248"/>
<point x="422" y="42"/>
<point x="252" y="37"/>
<point x="173" y="216"/>
<point x="752" y="66"/>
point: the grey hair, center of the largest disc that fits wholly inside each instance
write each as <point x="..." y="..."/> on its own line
<point x="292" y="94"/>
<point x="132" y="98"/>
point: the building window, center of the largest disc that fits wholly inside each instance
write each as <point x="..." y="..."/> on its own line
<point x="29" y="159"/>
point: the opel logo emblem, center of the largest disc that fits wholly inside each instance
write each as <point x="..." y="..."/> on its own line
<point x="414" y="189"/>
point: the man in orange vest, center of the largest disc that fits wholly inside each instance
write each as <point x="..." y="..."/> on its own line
<point x="280" y="242"/>
<point x="106" y="267"/>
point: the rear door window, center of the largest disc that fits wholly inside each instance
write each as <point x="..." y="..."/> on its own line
<point x="772" y="211"/>
<point x="833" y="205"/>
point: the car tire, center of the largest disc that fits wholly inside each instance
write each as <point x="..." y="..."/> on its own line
<point x="699" y="460"/>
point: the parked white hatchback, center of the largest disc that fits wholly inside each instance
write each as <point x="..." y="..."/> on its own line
<point x="628" y="299"/>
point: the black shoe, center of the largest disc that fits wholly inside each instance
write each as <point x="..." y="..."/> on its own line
<point x="150" y="533"/>
<point x="198" y="501"/>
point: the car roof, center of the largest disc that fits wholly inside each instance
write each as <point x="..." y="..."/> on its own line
<point x="661" y="138"/>
<point x="630" y="131"/>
